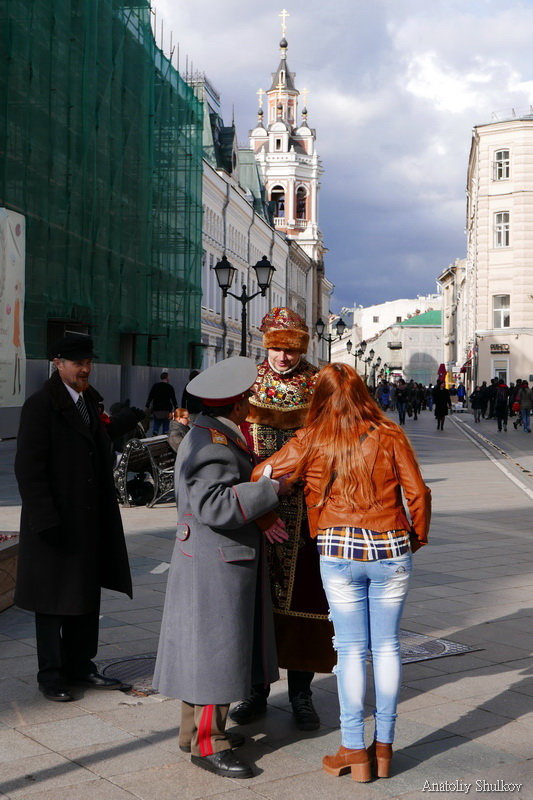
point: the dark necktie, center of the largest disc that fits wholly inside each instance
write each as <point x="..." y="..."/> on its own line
<point x="82" y="408"/>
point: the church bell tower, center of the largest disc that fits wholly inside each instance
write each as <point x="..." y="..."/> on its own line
<point x="285" y="149"/>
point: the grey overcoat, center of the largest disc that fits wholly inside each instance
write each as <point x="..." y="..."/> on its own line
<point x="217" y="631"/>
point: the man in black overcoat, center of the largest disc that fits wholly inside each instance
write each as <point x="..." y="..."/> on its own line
<point x="71" y="536"/>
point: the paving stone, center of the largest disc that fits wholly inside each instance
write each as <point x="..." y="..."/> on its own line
<point x="125" y="757"/>
<point x="27" y="776"/>
<point x="15" y="745"/>
<point x="34" y="709"/>
<point x="85" y="729"/>
<point x="88" y="790"/>
<point x="15" y="649"/>
<point x="164" y="783"/>
<point x="124" y="633"/>
<point x="146" y="719"/>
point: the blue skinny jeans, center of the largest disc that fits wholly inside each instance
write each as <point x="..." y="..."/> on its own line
<point x="366" y="600"/>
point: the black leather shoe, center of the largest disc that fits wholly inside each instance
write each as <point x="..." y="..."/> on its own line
<point x="304" y="713"/>
<point x="251" y="708"/>
<point x="58" y="693"/>
<point x="224" y="763"/>
<point x="234" y="740"/>
<point x="96" y="681"/>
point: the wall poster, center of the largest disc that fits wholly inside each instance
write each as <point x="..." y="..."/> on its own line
<point x="12" y="274"/>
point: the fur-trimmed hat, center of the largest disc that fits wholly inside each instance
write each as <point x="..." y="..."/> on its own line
<point x="283" y="328"/>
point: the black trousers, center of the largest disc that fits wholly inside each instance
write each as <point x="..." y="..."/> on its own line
<point x="66" y="646"/>
<point x="299" y="683"/>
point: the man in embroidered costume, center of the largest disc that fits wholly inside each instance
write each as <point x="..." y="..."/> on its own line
<point x="281" y="397"/>
<point x="217" y="635"/>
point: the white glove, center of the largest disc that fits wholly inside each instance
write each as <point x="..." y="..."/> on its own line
<point x="267" y="473"/>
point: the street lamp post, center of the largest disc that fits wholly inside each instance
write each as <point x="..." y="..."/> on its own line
<point x="359" y="351"/>
<point x="320" y="327"/>
<point x="376" y="366"/>
<point x="225" y="273"/>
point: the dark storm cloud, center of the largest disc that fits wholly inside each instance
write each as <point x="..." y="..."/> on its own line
<point x="395" y="87"/>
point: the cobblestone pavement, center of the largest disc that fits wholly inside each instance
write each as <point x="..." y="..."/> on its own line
<point x="463" y="720"/>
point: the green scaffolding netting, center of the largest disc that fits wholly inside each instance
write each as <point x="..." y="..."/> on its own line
<point x="101" y="150"/>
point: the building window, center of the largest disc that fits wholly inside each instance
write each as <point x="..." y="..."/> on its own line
<point x="501" y="165"/>
<point x="501" y="316"/>
<point x="277" y="197"/>
<point x="398" y="319"/>
<point x="501" y="229"/>
<point x="375" y="319"/>
<point x="278" y="144"/>
<point x="301" y="203"/>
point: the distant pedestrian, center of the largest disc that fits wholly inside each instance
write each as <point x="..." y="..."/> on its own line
<point x="442" y="403"/>
<point x="491" y="391"/>
<point x="161" y="402"/>
<point x="484" y="394"/>
<point x="501" y="407"/>
<point x="526" y="404"/>
<point x="475" y="403"/>
<point x="401" y="400"/>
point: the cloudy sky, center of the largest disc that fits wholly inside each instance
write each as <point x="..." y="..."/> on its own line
<point x="395" y="87"/>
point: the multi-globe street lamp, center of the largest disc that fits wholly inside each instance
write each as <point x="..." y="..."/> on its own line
<point x="225" y="273"/>
<point x="320" y="327"/>
<point x="359" y="352"/>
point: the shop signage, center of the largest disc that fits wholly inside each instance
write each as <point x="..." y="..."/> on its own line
<point x="499" y="348"/>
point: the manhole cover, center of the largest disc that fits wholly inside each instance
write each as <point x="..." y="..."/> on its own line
<point x="418" y="647"/>
<point x="139" y="670"/>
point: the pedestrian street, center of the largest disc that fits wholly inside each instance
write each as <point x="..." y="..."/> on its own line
<point x="464" y="719"/>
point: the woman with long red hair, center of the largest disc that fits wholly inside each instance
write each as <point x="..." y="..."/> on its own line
<point x="354" y="463"/>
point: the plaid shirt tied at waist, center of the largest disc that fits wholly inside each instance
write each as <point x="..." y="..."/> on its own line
<point x="360" y="544"/>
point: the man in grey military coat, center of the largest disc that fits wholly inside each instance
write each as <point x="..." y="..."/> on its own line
<point x="217" y="629"/>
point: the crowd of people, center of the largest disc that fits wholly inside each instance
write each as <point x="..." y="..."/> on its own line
<point x="293" y="546"/>
<point x="494" y="400"/>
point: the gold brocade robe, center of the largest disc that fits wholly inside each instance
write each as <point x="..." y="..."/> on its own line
<point x="303" y="632"/>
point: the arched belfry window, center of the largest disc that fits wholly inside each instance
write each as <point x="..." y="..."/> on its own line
<point x="301" y="203"/>
<point x="277" y="196"/>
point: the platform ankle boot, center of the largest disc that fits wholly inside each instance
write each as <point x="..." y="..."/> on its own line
<point x="380" y="756"/>
<point x="346" y="760"/>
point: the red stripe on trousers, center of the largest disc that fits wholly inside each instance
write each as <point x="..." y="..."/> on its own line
<point x="204" y="731"/>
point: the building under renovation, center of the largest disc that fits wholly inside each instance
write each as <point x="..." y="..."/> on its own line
<point x="101" y="154"/>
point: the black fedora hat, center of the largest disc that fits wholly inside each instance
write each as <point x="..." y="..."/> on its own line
<point x="73" y="346"/>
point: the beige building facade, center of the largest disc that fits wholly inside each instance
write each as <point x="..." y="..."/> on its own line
<point x="499" y="267"/>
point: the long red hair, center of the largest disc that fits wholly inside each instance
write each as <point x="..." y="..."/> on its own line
<point x="342" y="411"/>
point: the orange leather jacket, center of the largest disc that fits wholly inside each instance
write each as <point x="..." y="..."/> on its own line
<point x="393" y="467"/>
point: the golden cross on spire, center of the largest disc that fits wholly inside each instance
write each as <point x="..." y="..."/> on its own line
<point x="304" y="94"/>
<point x="260" y="94"/>
<point x="284" y="14"/>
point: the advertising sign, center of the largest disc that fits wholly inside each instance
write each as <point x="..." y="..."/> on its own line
<point x="12" y="269"/>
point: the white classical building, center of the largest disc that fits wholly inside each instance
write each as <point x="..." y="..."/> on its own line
<point x="456" y="314"/>
<point x="365" y="322"/>
<point x="499" y="268"/>
<point x="244" y="219"/>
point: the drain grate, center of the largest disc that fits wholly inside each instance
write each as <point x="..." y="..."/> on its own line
<point x="139" y="670"/>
